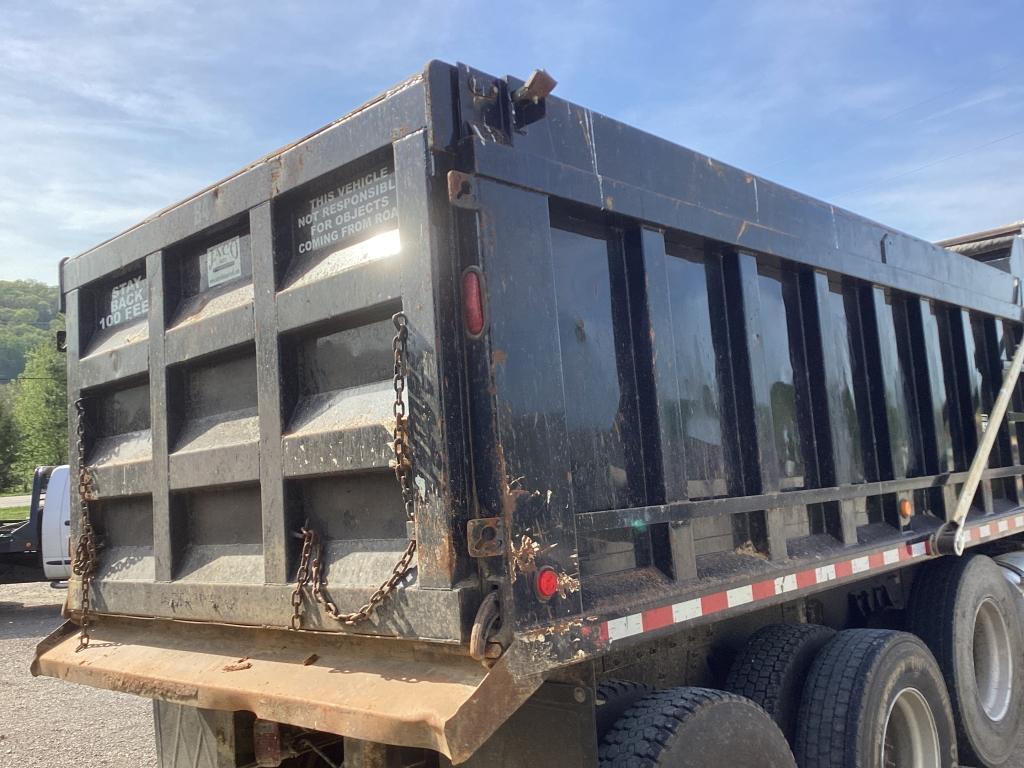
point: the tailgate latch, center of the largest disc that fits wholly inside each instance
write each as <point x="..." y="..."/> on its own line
<point x="462" y="190"/>
<point x="485" y="536"/>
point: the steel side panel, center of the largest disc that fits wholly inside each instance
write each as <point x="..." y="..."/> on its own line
<point x="377" y="691"/>
<point x="794" y="227"/>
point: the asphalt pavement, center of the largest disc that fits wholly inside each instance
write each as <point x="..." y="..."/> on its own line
<point x="9" y="502"/>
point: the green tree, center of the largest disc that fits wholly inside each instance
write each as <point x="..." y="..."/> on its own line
<point x="8" y="443"/>
<point x="28" y="316"/>
<point x="40" y="410"/>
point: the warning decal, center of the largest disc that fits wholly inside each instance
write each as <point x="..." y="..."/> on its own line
<point x="346" y="212"/>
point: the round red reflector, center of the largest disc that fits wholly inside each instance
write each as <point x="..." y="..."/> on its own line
<point x="547" y="583"/>
<point x="472" y="302"/>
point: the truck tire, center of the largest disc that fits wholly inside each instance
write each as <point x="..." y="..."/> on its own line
<point x="967" y="613"/>
<point x="875" y="698"/>
<point x="695" y="728"/>
<point x="772" y="667"/>
<point x="613" y="697"/>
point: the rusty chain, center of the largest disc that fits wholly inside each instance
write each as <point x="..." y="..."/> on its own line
<point x="312" y="545"/>
<point x="303" y="574"/>
<point x="85" y="561"/>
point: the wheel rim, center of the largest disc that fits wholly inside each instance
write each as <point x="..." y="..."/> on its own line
<point x="911" y="739"/>
<point x="993" y="660"/>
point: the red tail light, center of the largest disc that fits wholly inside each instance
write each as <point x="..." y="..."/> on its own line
<point x="472" y="301"/>
<point x="547" y="583"/>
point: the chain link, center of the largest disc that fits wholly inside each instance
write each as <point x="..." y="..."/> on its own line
<point x="312" y="572"/>
<point x="86" y="560"/>
<point x="303" y="575"/>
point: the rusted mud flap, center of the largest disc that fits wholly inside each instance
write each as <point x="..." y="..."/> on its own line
<point x="390" y="691"/>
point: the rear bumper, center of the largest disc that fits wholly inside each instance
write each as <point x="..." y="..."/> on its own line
<point x="394" y="692"/>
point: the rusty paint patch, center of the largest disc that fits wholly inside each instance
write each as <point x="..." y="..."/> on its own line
<point x="567" y="584"/>
<point x="166" y="690"/>
<point x="523" y="556"/>
<point x="499" y="356"/>
<point x="748" y="548"/>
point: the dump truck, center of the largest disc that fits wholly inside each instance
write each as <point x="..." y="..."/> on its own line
<point x="480" y="429"/>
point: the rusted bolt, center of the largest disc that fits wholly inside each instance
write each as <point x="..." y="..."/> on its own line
<point x="494" y="651"/>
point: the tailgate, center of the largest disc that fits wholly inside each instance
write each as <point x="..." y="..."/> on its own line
<point x="233" y="360"/>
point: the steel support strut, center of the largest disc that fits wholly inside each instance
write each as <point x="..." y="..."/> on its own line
<point x="949" y="538"/>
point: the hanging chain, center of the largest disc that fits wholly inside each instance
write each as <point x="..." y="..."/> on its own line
<point x="400" y="436"/>
<point x="86" y="561"/>
<point x="312" y="545"/>
<point x="303" y="576"/>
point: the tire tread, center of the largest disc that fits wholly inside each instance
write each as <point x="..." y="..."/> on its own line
<point x="639" y="737"/>
<point x="760" y="671"/>
<point x="835" y="683"/>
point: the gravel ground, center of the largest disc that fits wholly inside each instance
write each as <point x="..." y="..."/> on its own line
<point x="45" y="723"/>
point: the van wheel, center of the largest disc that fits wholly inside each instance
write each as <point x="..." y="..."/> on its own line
<point x="695" y="728"/>
<point x="967" y="613"/>
<point x="772" y="667"/>
<point x="613" y="697"/>
<point x="875" y="698"/>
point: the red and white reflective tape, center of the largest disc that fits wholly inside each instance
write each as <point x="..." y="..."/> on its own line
<point x="705" y="605"/>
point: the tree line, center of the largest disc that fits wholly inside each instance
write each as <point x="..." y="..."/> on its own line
<point x="33" y="383"/>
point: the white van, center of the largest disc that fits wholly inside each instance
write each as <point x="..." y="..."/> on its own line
<point x="56" y="526"/>
<point x="37" y="547"/>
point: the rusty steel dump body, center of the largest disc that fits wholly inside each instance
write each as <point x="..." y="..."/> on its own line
<point x="696" y="393"/>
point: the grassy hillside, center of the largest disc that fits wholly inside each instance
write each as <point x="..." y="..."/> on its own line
<point x="28" y="317"/>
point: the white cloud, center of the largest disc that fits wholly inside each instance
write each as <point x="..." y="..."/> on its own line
<point x="965" y="195"/>
<point x="113" y="109"/>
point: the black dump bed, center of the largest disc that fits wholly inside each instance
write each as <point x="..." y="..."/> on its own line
<point x="695" y="392"/>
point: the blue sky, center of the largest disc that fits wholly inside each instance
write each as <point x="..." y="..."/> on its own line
<point x="911" y="113"/>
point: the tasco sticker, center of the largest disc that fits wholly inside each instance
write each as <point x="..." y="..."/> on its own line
<point x="223" y="262"/>
<point x="128" y="301"/>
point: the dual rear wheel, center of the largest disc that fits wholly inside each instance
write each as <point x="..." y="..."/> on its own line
<point x="950" y="688"/>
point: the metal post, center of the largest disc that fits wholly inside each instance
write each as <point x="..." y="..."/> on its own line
<point x="955" y="526"/>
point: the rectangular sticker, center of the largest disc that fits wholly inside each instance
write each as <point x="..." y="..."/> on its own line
<point x="223" y="262"/>
<point x="346" y="212"/>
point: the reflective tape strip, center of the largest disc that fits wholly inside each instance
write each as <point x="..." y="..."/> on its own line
<point x="705" y="605"/>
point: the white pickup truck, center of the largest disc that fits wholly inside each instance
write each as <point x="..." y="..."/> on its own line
<point x="36" y="548"/>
